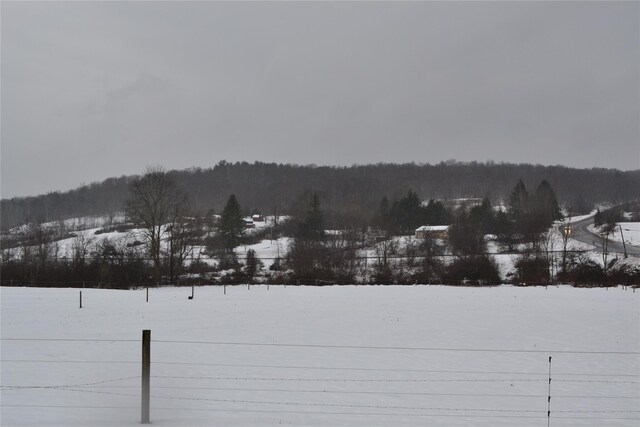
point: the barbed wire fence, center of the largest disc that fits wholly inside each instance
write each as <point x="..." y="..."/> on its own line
<point x="333" y="390"/>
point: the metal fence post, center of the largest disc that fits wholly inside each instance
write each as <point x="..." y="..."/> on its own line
<point x="549" y="396"/>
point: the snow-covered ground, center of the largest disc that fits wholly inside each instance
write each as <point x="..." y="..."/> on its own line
<point x="84" y="230"/>
<point x="93" y="240"/>
<point x="267" y="250"/>
<point x="78" y="223"/>
<point x="323" y="356"/>
<point x="630" y="232"/>
<point x="576" y="218"/>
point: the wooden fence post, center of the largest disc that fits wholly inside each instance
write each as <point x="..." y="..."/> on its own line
<point x="80" y="299"/>
<point x="146" y="375"/>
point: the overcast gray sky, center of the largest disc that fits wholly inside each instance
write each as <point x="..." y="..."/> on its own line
<point x="92" y="90"/>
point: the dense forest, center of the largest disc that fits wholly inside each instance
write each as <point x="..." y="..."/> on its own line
<point x="353" y="191"/>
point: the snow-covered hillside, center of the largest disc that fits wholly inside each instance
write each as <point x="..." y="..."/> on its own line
<point x="630" y="232"/>
<point x="323" y="356"/>
<point x="91" y="233"/>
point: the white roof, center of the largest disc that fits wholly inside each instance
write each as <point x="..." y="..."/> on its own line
<point x="433" y="228"/>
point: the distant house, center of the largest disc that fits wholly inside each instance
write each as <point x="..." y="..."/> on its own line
<point x="257" y="218"/>
<point x="248" y="223"/>
<point x="435" y="231"/>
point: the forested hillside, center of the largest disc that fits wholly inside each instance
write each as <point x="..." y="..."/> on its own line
<point x="355" y="191"/>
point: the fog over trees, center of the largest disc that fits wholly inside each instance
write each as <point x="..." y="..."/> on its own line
<point x="354" y="191"/>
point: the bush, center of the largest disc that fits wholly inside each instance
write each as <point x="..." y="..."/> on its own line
<point x="480" y="269"/>
<point x="429" y="271"/>
<point x="625" y="275"/>
<point x="584" y="271"/>
<point x="532" y="270"/>
<point x="228" y="261"/>
<point x="383" y="275"/>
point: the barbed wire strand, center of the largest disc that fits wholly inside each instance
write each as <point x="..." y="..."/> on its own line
<point x="325" y="391"/>
<point x="67" y="406"/>
<point x="381" y="414"/>
<point x="346" y="405"/>
<point x="346" y="380"/>
<point x="369" y="347"/>
<point x="311" y="412"/>
<point x="333" y="346"/>
<point x="328" y="368"/>
<point x="597" y="381"/>
<point x="68" y="385"/>
<point x="258" y="411"/>
<point x="70" y="339"/>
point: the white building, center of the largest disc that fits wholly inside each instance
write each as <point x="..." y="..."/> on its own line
<point x="436" y="231"/>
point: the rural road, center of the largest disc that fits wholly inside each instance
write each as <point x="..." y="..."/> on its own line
<point x="580" y="233"/>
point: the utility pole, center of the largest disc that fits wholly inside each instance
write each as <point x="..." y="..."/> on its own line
<point x="624" y="245"/>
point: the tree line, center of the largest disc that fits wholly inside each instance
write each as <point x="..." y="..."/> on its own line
<point x="349" y="193"/>
<point x="378" y="250"/>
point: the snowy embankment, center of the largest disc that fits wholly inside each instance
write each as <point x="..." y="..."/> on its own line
<point x="323" y="356"/>
<point x="267" y="250"/>
<point x="630" y="232"/>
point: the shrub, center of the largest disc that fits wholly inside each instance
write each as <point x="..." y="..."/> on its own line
<point x="532" y="270"/>
<point x="480" y="269"/>
<point x="584" y="271"/>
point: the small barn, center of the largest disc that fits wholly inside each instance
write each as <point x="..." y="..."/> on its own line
<point x="434" y="231"/>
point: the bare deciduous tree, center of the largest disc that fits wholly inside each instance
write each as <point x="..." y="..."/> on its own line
<point x="548" y="245"/>
<point x="565" y="231"/>
<point x="384" y="248"/>
<point x="182" y="233"/>
<point x="153" y="200"/>
<point x="605" y="233"/>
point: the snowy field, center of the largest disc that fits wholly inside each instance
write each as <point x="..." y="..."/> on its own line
<point x="323" y="356"/>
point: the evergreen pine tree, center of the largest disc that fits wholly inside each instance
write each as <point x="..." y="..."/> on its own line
<point x="598" y="219"/>
<point x="252" y="264"/>
<point x="545" y="205"/>
<point x="466" y="236"/>
<point x="483" y="216"/>
<point x="518" y="202"/>
<point x="383" y="218"/>
<point x="407" y="214"/>
<point x="435" y="213"/>
<point x="307" y="251"/>
<point x="231" y="225"/>
<point x="311" y="229"/>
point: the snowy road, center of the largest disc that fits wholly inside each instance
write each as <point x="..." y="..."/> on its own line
<point x="580" y="233"/>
